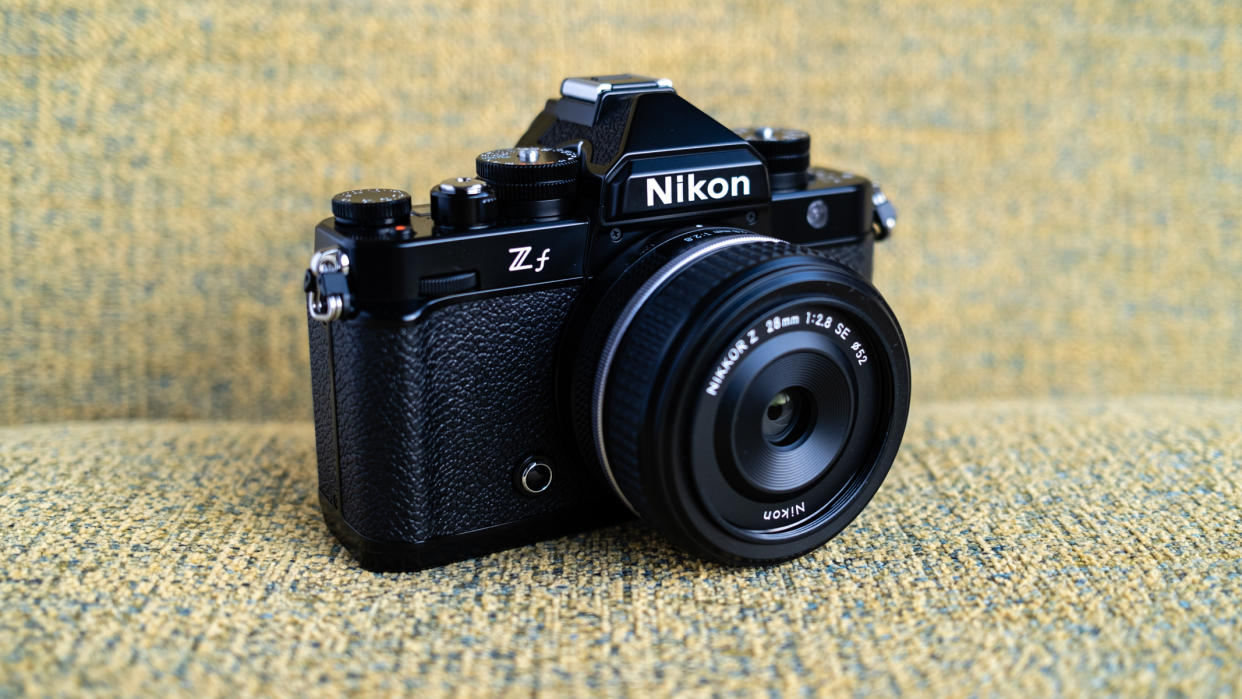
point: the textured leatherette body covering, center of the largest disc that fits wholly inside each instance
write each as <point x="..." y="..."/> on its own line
<point x="323" y="400"/>
<point x="606" y="135"/>
<point x="857" y="256"/>
<point x="433" y="417"/>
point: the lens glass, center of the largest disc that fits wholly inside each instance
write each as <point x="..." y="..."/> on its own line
<point x="788" y="417"/>
<point x="785" y="416"/>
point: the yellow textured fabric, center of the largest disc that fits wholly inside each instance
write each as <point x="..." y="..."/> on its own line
<point x="1067" y="172"/>
<point x="1033" y="548"/>
<point x="1068" y="175"/>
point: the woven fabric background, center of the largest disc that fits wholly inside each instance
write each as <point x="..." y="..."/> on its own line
<point x="1020" y="548"/>
<point x="1069" y="177"/>
<point x="1068" y="174"/>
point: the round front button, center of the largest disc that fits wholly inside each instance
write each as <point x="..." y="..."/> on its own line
<point x="534" y="476"/>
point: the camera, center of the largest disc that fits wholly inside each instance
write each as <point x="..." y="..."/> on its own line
<point x="636" y="311"/>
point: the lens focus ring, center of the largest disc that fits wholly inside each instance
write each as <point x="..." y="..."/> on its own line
<point x="611" y="325"/>
<point x="642" y="351"/>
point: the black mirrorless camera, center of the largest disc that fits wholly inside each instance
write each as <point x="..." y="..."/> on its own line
<point x="635" y="310"/>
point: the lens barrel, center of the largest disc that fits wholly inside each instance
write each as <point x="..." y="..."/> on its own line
<point x="744" y="395"/>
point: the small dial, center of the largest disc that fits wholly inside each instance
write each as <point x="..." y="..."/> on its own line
<point x="786" y="151"/>
<point x="371" y="208"/>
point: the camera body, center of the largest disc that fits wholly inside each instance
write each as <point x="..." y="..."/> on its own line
<point x="445" y="338"/>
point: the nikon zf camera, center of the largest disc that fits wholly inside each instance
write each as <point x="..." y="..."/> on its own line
<point x="635" y="311"/>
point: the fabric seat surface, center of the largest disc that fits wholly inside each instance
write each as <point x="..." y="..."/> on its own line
<point x="1041" y="546"/>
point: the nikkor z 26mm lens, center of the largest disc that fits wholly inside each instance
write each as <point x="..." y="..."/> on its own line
<point x="746" y="395"/>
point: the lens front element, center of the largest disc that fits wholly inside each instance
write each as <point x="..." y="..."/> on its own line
<point x="788" y="417"/>
<point x="800" y="430"/>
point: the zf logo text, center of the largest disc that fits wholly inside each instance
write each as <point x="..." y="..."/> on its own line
<point x="520" y="264"/>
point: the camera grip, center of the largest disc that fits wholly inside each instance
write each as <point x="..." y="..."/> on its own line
<point x="420" y="424"/>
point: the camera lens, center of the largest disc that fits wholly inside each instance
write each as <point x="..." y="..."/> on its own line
<point x="744" y="395"/>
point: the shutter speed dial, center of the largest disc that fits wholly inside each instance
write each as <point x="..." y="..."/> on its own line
<point x="531" y="182"/>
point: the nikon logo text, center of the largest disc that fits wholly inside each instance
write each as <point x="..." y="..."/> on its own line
<point x="686" y="189"/>
<point x="785" y="512"/>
